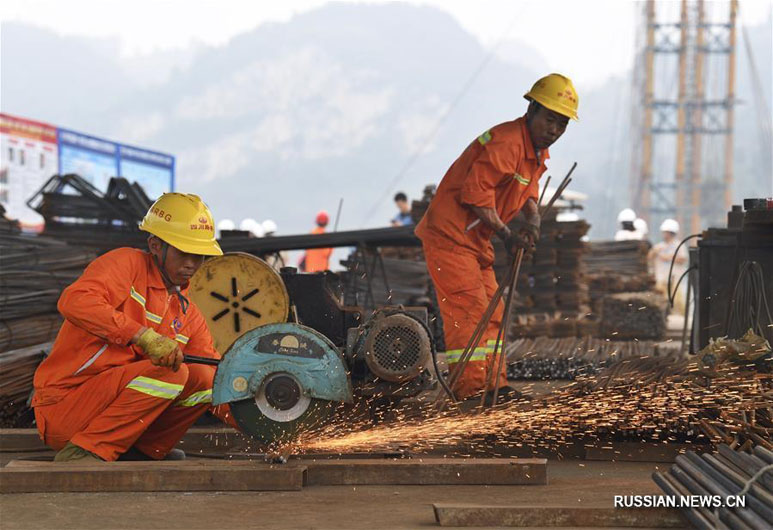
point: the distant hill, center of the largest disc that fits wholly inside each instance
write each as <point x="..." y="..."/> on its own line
<point x="288" y="118"/>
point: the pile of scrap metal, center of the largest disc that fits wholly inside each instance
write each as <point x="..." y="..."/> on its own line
<point x="752" y="424"/>
<point x="294" y="353"/>
<point x="747" y="474"/>
<point x="77" y="212"/>
<point x="726" y="391"/>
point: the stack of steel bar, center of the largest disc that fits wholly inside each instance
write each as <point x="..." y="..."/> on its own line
<point x="77" y="212"/>
<point x="33" y="273"/>
<point x="17" y="368"/>
<point x="391" y="281"/>
<point x="616" y="267"/>
<point x="634" y="315"/>
<point x="725" y="474"/>
<point x="553" y="278"/>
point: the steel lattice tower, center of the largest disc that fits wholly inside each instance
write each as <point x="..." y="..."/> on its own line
<point x="675" y="124"/>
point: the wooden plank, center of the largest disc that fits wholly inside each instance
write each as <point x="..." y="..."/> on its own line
<point x="15" y="440"/>
<point x="196" y="439"/>
<point x="43" y="477"/>
<point x="560" y="516"/>
<point x="427" y="471"/>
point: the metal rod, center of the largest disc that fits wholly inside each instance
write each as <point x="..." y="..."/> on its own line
<point x="700" y="519"/>
<point x="338" y="214"/>
<point x="499" y="353"/>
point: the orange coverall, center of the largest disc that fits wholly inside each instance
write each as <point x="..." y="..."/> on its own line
<point x="102" y="393"/>
<point x="499" y="170"/>
<point x="318" y="259"/>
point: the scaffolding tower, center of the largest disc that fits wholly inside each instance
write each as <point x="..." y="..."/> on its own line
<point x="675" y="121"/>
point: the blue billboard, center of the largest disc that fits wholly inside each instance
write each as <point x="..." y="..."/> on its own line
<point x="97" y="160"/>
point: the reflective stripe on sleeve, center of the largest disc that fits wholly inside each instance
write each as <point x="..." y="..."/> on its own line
<point x="523" y="180"/>
<point x="155" y="388"/>
<point x="137" y="297"/>
<point x="197" y="398"/>
<point x="182" y="338"/>
<point x="484" y="138"/>
<point x="156" y="319"/>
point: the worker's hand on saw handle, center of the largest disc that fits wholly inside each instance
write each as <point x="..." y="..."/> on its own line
<point x="162" y="351"/>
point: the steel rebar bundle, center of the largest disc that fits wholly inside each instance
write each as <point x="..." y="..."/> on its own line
<point x="726" y="473"/>
<point x="17" y="369"/>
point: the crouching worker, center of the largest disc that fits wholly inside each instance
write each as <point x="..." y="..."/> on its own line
<point x="114" y="386"/>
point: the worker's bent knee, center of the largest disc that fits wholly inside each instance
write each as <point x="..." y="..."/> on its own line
<point x="200" y="376"/>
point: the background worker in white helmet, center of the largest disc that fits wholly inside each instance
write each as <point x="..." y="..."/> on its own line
<point x="626" y="231"/>
<point x="114" y="385"/>
<point x="660" y="257"/>
<point x="279" y="258"/>
<point x="641" y="227"/>
<point x="254" y="228"/>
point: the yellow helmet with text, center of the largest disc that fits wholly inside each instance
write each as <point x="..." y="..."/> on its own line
<point x="556" y="92"/>
<point x="183" y="221"/>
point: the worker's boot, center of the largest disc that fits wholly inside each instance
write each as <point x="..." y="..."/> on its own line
<point x="135" y="455"/>
<point x="506" y="394"/>
<point x="73" y="453"/>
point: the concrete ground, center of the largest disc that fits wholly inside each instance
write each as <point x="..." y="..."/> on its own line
<point x="570" y="483"/>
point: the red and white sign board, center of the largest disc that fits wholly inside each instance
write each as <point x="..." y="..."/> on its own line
<point x="28" y="157"/>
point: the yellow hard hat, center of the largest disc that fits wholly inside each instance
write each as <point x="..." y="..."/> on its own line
<point x="183" y="221"/>
<point x="555" y="92"/>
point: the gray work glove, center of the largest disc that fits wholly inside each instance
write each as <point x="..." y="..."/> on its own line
<point x="513" y="241"/>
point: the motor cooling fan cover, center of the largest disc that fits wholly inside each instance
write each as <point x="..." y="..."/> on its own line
<point x="397" y="347"/>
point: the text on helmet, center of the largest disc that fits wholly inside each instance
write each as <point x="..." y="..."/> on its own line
<point x="162" y="214"/>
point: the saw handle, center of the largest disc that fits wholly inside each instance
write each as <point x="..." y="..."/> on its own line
<point x="196" y="359"/>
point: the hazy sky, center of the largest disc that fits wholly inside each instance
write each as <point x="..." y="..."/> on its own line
<point x="570" y="34"/>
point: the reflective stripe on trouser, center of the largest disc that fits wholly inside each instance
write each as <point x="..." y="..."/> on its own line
<point x="478" y="354"/>
<point x="155" y="387"/>
<point x="464" y="290"/>
<point x="197" y="398"/>
<point x="173" y="423"/>
<point x="126" y="406"/>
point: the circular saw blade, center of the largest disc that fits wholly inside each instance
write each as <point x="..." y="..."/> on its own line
<point x="254" y="422"/>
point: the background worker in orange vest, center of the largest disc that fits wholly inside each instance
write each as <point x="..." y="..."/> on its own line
<point x="114" y="384"/>
<point x="317" y="259"/>
<point x="494" y="180"/>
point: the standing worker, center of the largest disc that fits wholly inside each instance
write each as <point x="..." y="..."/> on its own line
<point x="317" y="259"/>
<point x="495" y="180"/>
<point x="114" y="384"/>
<point x="660" y="257"/>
